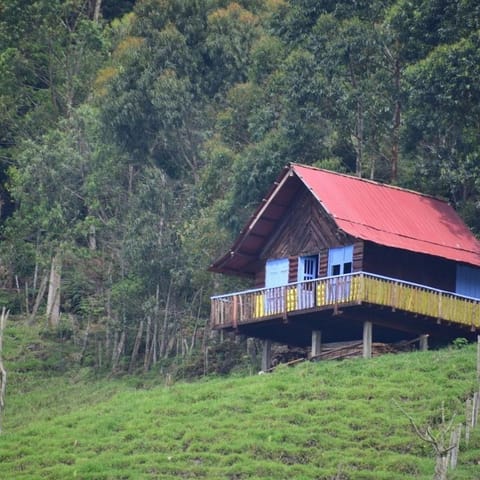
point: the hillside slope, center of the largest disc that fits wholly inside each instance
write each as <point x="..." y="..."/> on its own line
<point x="330" y="420"/>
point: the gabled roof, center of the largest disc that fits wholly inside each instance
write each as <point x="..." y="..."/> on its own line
<point x="367" y="210"/>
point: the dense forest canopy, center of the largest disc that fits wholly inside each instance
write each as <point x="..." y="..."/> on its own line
<point x="137" y="136"/>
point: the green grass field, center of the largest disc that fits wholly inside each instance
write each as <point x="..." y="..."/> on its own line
<point x="330" y="420"/>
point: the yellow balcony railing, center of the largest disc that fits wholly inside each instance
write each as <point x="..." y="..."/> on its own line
<point x="330" y="292"/>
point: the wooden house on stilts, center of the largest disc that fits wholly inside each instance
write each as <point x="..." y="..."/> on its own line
<point x="334" y="258"/>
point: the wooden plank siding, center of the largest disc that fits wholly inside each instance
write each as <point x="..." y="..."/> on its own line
<point x="306" y="230"/>
<point x="410" y="266"/>
<point x="353" y="289"/>
<point x="323" y="265"/>
<point x="358" y="252"/>
<point x="293" y="269"/>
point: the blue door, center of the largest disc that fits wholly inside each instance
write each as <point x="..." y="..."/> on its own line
<point x="307" y="271"/>
<point x="276" y="277"/>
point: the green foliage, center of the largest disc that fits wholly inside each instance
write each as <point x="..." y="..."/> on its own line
<point x="138" y="148"/>
<point x="231" y="33"/>
<point x="49" y="65"/>
<point x="444" y="140"/>
<point x="460" y="342"/>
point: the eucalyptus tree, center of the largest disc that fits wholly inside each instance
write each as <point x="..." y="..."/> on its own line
<point x="46" y="183"/>
<point x="436" y="43"/>
<point x="172" y="62"/>
<point x="53" y="48"/>
<point x="49" y="52"/>
<point x="443" y="122"/>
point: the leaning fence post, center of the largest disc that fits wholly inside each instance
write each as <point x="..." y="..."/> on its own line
<point x="3" y="372"/>
<point x="455" y="446"/>
<point x="478" y="359"/>
<point x="475" y="409"/>
<point x="468" y="419"/>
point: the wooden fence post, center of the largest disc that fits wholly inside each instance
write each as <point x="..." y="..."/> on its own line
<point x="475" y="408"/>
<point x="3" y="372"/>
<point x="468" y="419"/>
<point x="478" y="359"/>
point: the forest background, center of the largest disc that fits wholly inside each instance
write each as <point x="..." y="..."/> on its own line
<point x="136" y="137"/>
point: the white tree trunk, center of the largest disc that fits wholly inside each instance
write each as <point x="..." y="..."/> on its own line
<point x="441" y="467"/>
<point x="96" y="13"/>
<point x="38" y="299"/>
<point x="53" y="299"/>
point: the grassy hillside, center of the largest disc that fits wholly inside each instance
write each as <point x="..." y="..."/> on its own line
<point x="331" y="420"/>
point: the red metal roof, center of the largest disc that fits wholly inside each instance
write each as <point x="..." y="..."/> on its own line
<point x="392" y="216"/>
<point x="383" y="214"/>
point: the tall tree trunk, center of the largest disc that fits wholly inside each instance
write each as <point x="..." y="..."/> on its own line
<point x="136" y="347"/>
<point x="197" y="320"/>
<point x="146" y="359"/>
<point x="96" y="12"/>
<point x="92" y="238"/>
<point x="38" y="299"/>
<point x="85" y="343"/>
<point x="154" y="349"/>
<point x="53" y="299"/>
<point x="396" y="122"/>
<point x="117" y="351"/>
<point x="163" y="343"/>
<point x="359" y="138"/>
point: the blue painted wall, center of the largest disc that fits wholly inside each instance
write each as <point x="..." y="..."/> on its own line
<point x="468" y="281"/>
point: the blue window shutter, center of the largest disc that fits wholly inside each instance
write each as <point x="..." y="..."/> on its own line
<point x="276" y="272"/>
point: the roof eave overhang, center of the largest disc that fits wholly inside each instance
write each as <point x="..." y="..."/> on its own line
<point x="227" y="264"/>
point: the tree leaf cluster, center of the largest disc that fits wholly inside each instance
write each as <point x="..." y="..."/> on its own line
<point x="136" y="143"/>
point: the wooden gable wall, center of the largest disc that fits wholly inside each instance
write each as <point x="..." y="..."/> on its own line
<point x="306" y="229"/>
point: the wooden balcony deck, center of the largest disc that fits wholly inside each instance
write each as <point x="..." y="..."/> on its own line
<point x="259" y="305"/>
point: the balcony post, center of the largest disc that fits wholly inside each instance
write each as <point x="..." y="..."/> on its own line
<point x="235" y="311"/>
<point x="316" y="343"/>
<point x="266" y="355"/>
<point x="367" y="339"/>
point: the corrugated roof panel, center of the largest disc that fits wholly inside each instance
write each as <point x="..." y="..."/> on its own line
<point x="371" y="211"/>
<point x="392" y="216"/>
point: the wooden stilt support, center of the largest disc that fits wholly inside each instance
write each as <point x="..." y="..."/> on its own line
<point x="423" y="343"/>
<point x="367" y="339"/>
<point x="266" y="355"/>
<point x="316" y="343"/>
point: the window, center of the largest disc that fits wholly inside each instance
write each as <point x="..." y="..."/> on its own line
<point x="340" y="260"/>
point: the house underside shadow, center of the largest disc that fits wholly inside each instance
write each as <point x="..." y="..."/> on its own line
<point x="347" y="324"/>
